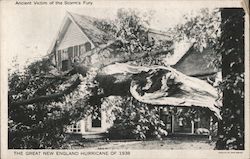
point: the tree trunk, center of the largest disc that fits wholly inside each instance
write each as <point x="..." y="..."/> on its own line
<point x="231" y="128"/>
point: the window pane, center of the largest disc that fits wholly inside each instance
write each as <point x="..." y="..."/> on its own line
<point x="75" y="128"/>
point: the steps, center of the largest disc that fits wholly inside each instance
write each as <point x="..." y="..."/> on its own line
<point x="93" y="135"/>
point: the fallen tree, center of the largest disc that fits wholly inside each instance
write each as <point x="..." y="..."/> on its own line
<point x="155" y="85"/>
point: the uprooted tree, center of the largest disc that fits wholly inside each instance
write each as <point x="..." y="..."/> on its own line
<point x="42" y="100"/>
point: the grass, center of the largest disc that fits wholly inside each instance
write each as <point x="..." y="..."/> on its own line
<point x="169" y="143"/>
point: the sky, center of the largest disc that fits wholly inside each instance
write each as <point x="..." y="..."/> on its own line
<point x="28" y="31"/>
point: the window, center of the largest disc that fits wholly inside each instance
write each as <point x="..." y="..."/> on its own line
<point x="70" y="52"/>
<point x="75" y="128"/>
<point x="59" y="58"/>
<point x="87" y="46"/>
<point x="76" y="51"/>
<point x="65" y="65"/>
<point x="64" y="54"/>
<point x="81" y="49"/>
<point x="96" y="121"/>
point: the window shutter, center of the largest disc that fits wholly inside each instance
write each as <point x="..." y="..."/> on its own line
<point x="79" y="50"/>
<point x="59" y="59"/>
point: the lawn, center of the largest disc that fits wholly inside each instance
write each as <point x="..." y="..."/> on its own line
<point x="169" y="143"/>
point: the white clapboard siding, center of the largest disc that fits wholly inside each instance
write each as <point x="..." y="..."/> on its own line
<point x="73" y="36"/>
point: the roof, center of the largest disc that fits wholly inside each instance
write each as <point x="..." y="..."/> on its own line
<point x="88" y="26"/>
<point x="180" y="49"/>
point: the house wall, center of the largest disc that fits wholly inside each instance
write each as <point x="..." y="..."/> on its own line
<point x="70" y="41"/>
<point x="195" y="63"/>
<point x="73" y="36"/>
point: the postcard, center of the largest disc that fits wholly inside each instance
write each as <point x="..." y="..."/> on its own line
<point x="124" y="79"/>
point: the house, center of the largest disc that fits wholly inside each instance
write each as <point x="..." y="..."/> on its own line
<point x="78" y="35"/>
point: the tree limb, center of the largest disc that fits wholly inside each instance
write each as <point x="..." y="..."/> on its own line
<point x="46" y="98"/>
<point x="111" y="84"/>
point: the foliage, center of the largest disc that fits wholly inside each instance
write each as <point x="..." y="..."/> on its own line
<point x="43" y="124"/>
<point x="203" y="29"/>
<point x="222" y="31"/>
<point x="130" y="30"/>
<point x="231" y="128"/>
<point x="25" y="122"/>
<point x="135" y="120"/>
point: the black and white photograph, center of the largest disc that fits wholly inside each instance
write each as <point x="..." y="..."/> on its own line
<point x="95" y="81"/>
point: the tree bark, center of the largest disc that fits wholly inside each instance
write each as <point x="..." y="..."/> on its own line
<point x="231" y="128"/>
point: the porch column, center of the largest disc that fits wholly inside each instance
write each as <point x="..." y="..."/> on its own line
<point x="192" y="126"/>
<point x="210" y="128"/>
<point x="172" y="118"/>
<point x="82" y="125"/>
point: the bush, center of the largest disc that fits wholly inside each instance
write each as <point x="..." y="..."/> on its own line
<point x="136" y="120"/>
